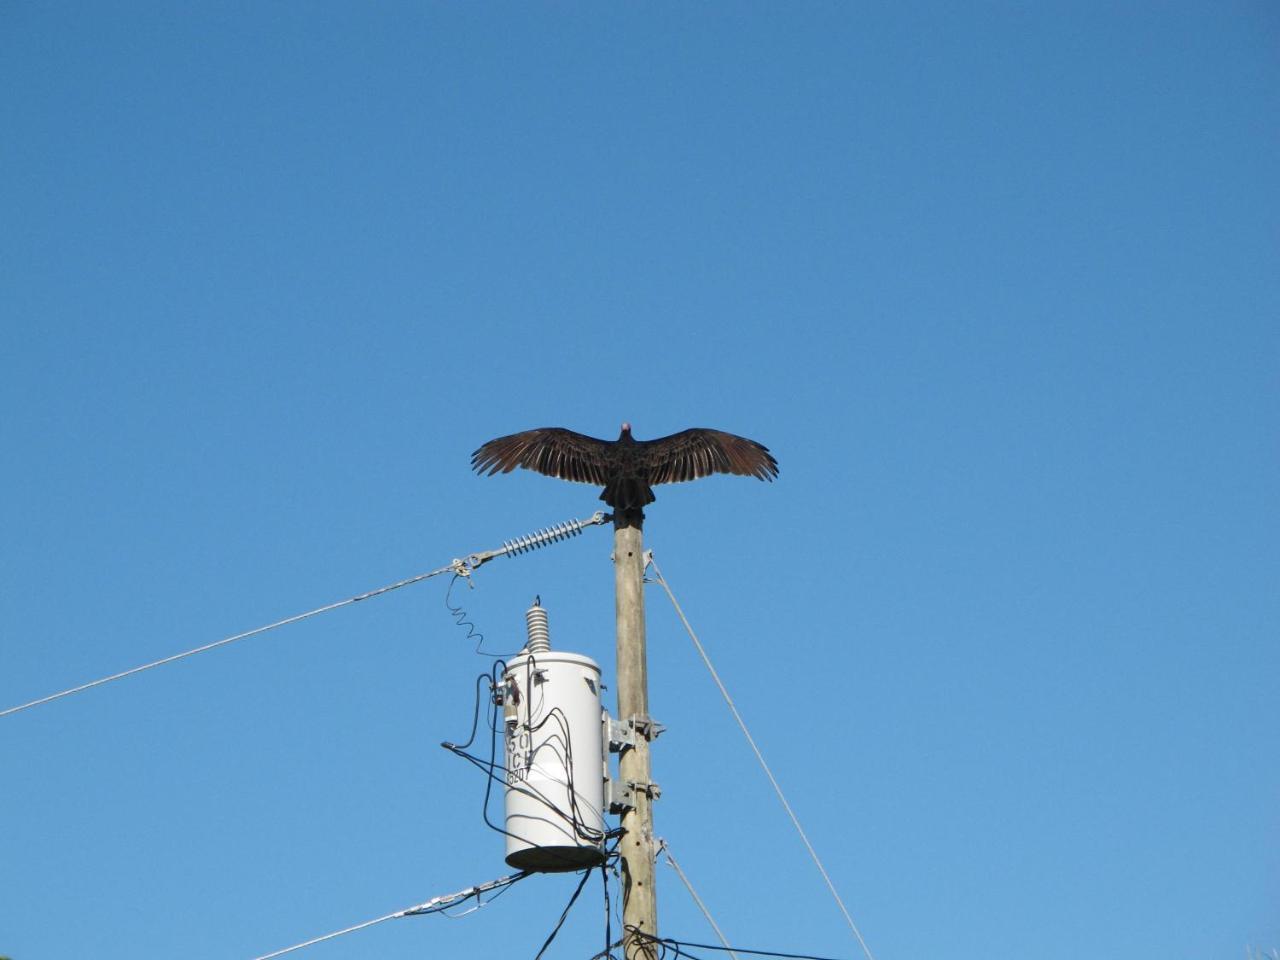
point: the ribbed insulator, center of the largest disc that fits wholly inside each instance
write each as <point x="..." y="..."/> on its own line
<point x="540" y="538"/>
<point x="535" y="619"/>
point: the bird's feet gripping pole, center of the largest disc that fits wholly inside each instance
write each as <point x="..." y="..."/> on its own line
<point x="628" y="517"/>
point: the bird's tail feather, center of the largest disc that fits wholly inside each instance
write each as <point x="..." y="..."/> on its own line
<point x="627" y="494"/>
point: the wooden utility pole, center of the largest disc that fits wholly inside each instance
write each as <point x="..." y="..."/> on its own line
<point x="637" y="848"/>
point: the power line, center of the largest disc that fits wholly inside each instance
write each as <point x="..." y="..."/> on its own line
<point x="330" y="936"/>
<point x="679" y="945"/>
<point x="665" y="848"/>
<point x="434" y="905"/>
<point x="759" y="756"/>
<point x="586" y="875"/>
<point x="223" y="642"/>
<point x="463" y="568"/>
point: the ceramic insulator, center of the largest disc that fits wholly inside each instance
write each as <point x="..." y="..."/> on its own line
<point x="539" y="636"/>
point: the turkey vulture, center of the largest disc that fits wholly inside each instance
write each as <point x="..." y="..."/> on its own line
<point x="626" y="467"/>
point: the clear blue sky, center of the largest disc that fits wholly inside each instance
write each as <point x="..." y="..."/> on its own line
<point x="997" y="284"/>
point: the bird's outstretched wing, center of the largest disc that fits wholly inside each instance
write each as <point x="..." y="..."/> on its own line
<point x="551" y="450"/>
<point x="701" y="452"/>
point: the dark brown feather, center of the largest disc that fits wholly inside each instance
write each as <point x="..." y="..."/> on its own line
<point x="553" y="451"/>
<point x="701" y="452"/>
<point x="626" y="467"/>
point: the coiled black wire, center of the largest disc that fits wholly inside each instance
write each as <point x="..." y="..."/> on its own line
<point x="462" y="617"/>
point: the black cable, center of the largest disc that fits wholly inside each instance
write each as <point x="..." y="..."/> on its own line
<point x="586" y="874"/>
<point x="574" y="816"/>
<point x="560" y="743"/>
<point x="460" y="615"/>
<point x="608" y="909"/>
<point x="478" y="895"/>
<point x="678" y="946"/>
<point x="480" y="900"/>
<point x="492" y="764"/>
<point x="607" y="953"/>
<point x="493" y="754"/>
<point x="475" y="714"/>
<point x="488" y="767"/>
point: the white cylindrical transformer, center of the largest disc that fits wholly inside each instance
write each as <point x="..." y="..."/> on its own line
<point x="555" y="772"/>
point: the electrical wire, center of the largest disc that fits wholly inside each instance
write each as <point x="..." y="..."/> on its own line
<point x="459" y="613"/>
<point x="329" y="936"/>
<point x="462" y="568"/>
<point x="611" y="905"/>
<point x="608" y="909"/>
<point x="760" y="757"/>
<point x="663" y="847"/>
<point x="565" y="740"/>
<point x="586" y="875"/>
<point x="491" y="768"/>
<point x="480" y="903"/>
<point x="434" y="905"/>
<point x="664" y="943"/>
<point x="496" y="671"/>
<point x="607" y="952"/>
<point x="226" y="640"/>
<point x="559" y="744"/>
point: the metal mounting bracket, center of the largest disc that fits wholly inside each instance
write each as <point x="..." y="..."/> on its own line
<point x="650" y="789"/>
<point x="622" y="797"/>
<point x="617" y="800"/>
<point x="620" y="735"/>
<point x="647" y="727"/>
<point x="623" y="734"/>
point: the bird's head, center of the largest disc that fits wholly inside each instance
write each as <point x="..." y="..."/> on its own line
<point x="626" y="431"/>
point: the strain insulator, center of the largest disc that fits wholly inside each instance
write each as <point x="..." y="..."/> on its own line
<point x="532" y="541"/>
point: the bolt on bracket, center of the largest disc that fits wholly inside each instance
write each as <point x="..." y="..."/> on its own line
<point x="621" y="797"/>
<point x="622" y="734"/>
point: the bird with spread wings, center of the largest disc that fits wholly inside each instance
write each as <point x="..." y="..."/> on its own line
<point x="627" y="468"/>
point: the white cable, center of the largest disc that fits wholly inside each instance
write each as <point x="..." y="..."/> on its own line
<point x="663" y="847"/>
<point x="330" y="936"/>
<point x="462" y="568"/>
<point x="225" y="640"/>
<point x="759" y="756"/>
<point x="434" y="905"/>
